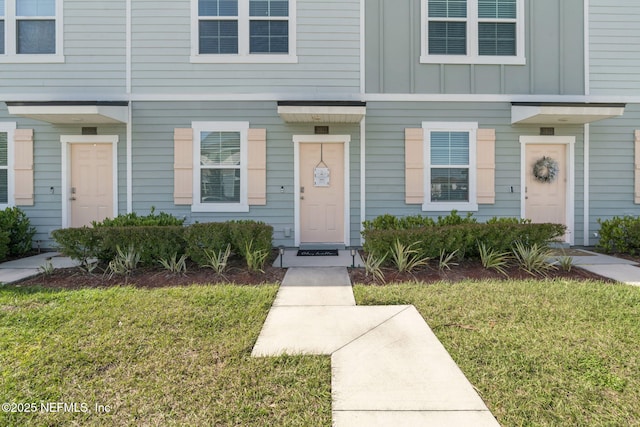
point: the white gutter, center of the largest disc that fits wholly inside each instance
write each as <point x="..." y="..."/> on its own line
<point x="587" y="127"/>
<point x="130" y="121"/>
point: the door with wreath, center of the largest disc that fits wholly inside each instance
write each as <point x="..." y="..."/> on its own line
<point x="546" y="183"/>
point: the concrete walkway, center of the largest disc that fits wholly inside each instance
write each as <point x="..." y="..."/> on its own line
<point x="388" y="368"/>
<point x="618" y="269"/>
<point x="14" y="271"/>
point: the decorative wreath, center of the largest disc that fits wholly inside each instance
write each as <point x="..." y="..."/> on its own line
<point x="545" y="169"/>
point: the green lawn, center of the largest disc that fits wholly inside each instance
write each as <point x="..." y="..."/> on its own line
<point x="540" y="353"/>
<point x="172" y="356"/>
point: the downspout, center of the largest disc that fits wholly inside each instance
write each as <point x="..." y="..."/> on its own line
<point x="363" y="123"/>
<point x="129" y="120"/>
<point x="587" y="130"/>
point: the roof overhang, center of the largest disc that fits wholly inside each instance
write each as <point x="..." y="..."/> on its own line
<point x="322" y="111"/>
<point x="86" y="112"/>
<point x="563" y="113"/>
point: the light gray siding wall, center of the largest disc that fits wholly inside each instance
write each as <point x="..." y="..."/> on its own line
<point x="385" y="177"/>
<point x="153" y="160"/>
<point x="328" y="48"/>
<point x="554" y="54"/>
<point x="94" y="50"/>
<point x="612" y="166"/>
<point x="46" y="213"/>
<point x="614" y="47"/>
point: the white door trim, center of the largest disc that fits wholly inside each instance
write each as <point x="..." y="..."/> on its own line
<point x="570" y="142"/>
<point x="66" y="141"/>
<point x="324" y="139"/>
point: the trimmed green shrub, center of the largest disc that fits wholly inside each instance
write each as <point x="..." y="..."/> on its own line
<point x="210" y="236"/>
<point x="162" y="219"/>
<point x="255" y="235"/>
<point x="4" y="244"/>
<point x="151" y="242"/>
<point x="80" y="244"/>
<point x="620" y="235"/>
<point x="15" y="222"/>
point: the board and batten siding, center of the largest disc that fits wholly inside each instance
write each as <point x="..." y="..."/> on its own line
<point x="153" y="159"/>
<point x="386" y="124"/>
<point x="328" y="51"/>
<point x="553" y="49"/>
<point x="614" y="46"/>
<point x="94" y="51"/>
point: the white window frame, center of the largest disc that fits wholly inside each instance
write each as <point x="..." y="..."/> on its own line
<point x="9" y="128"/>
<point x="472" y="56"/>
<point x="243" y="55"/>
<point x="10" y="42"/>
<point x="243" y="129"/>
<point x="472" y="129"/>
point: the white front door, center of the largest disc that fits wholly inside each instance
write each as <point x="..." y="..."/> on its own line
<point x="322" y="182"/>
<point x="548" y="200"/>
<point x="91" y="183"/>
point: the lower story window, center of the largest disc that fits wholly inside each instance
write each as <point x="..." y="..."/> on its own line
<point x="221" y="173"/>
<point x="450" y="166"/>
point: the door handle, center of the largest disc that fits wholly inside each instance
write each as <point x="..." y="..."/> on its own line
<point x="301" y="197"/>
<point x="72" y="198"/>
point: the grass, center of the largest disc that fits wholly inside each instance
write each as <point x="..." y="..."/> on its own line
<point x="540" y="353"/>
<point x="171" y="356"/>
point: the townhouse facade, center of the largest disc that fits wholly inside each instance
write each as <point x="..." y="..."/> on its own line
<point x="315" y="116"/>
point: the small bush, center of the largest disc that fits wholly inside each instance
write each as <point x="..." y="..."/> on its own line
<point x="254" y="235"/>
<point x="80" y="244"/>
<point x="4" y="244"/>
<point x="16" y="223"/>
<point x="210" y="237"/>
<point x="162" y="219"/>
<point x="152" y="242"/>
<point x="620" y="235"/>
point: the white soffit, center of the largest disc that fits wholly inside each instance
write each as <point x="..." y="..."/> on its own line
<point x="563" y="114"/>
<point x="321" y="113"/>
<point x="71" y="114"/>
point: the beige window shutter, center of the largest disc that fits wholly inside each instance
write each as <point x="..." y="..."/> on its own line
<point x="23" y="167"/>
<point x="257" y="166"/>
<point x="414" y="165"/>
<point x="183" y="166"/>
<point x="637" y="166"/>
<point x="486" y="166"/>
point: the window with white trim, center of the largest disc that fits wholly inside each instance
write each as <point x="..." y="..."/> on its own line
<point x="450" y="166"/>
<point x="473" y="31"/>
<point x="220" y="166"/>
<point x="31" y="30"/>
<point x="6" y="164"/>
<point x="243" y="31"/>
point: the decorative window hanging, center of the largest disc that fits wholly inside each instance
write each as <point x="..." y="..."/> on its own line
<point x="545" y="170"/>
<point x="321" y="173"/>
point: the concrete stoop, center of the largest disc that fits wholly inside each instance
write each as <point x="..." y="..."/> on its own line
<point x="388" y="368"/>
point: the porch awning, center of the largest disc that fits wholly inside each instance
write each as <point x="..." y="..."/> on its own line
<point x="322" y="111"/>
<point x="563" y="113"/>
<point x="72" y="112"/>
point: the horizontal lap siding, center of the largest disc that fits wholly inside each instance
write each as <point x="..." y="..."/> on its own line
<point x="94" y="50"/>
<point x="386" y="122"/>
<point x="614" y="45"/>
<point x="154" y="123"/>
<point x="328" y="42"/>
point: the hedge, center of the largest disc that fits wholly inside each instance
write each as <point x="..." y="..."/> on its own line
<point x="16" y="224"/>
<point x="620" y="235"/>
<point x="463" y="238"/>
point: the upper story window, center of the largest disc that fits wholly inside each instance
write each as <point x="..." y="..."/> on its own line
<point x="31" y="31"/>
<point x="243" y="31"/>
<point x="473" y="31"/>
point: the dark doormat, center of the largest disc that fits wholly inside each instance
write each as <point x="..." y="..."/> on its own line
<point x="317" y="252"/>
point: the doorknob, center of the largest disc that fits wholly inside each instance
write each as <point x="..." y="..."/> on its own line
<point x="72" y="198"/>
<point x="301" y="197"/>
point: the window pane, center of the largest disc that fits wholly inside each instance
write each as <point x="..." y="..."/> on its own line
<point x="3" y="149"/>
<point x="447" y="8"/>
<point x="4" y="186"/>
<point x="1" y="37"/>
<point x="36" y="37"/>
<point x="503" y="9"/>
<point x="269" y="8"/>
<point x="35" y="7"/>
<point x="447" y="38"/>
<point x="497" y="39"/>
<point x="269" y="37"/>
<point x="220" y="37"/>
<point x="218" y="7"/>
<point x="450" y="185"/>
<point x="1" y="8"/>
<point x="220" y="186"/>
<point x="449" y="148"/>
<point x="219" y="148"/>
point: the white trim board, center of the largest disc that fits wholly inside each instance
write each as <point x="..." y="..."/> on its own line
<point x="325" y="139"/>
<point x="66" y="141"/>
<point x="570" y="142"/>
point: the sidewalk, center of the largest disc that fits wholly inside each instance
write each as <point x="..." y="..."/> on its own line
<point x="14" y="271"/>
<point x="388" y="368"/>
<point x="618" y="269"/>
